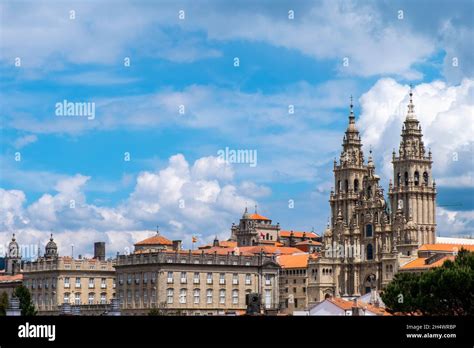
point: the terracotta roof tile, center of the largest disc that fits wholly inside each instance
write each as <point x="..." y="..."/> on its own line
<point x="293" y="261"/>
<point x="446" y="247"/>
<point x="419" y="263"/>
<point x="258" y="217"/>
<point x="298" y="234"/>
<point x="267" y="249"/>
<point x="155" y="240"/>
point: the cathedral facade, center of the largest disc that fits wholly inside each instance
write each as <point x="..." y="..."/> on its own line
<point x="368" y="238"/>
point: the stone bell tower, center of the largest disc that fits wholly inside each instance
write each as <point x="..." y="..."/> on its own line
<point x="413" y="192"/>
<point x="348" y="174"/>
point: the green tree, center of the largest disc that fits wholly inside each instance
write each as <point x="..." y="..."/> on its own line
<point x="445" y="290"/>
<point x="26" y="305"/>
<point x="3" y="303"/>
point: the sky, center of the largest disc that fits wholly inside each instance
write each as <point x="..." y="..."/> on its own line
<point x="173" y="83"/>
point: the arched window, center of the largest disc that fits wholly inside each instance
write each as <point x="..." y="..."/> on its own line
<point x="417" y="178"/>
<point x="356" y="185"/>
<point x="346" y="186"/>
<point x="338" y="186"/>
<point x="399" y="179"/>
<point x="406" y="178"/>
<point x="368" y="230"/>
<point x="370" y="252"/>
<point x="425" y="178"/>
<point x="369" y="191"/>
<point x="267" y="236"/>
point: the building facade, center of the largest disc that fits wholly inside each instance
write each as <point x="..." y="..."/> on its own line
<point x="54" y="280"/>
<point x="368" y="239"/>
<point x="194" y="282"/>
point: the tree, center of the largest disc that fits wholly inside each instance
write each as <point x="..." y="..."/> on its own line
<point x="3" y="303"/>
<point x="445" y="290"/>
<point x="26" y="305"/>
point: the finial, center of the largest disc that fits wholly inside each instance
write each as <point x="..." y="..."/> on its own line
<point x="157" y="230"/>
<point x="255" y="209"/>
<point x="351" y="103"/>
<point x="51" y="237"/>
<point x="13" y="237"/>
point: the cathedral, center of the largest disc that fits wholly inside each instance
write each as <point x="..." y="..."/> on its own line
<point x="368" y="238"/>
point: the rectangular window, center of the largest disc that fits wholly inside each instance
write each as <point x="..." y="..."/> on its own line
<point x="145" y="297"/>
<point x="222" y="296"/>
<point x="137" y="298"/>
<point x="235" y="279"/>
<point x="268" y="279"/>
<point x="169" y="296"/>
<point x="209" y="278"/>
<point x="145" y="277"/>
<point x="103" y="283"/>
<point x="103" y="299"/>
<point x="196" y="295"/>
<point x="196" y="278"/>
<point x="222" y="278"/>
<point x="170" y="278"/>
<point x="91" y="298"/>
<point x="183" y="278"/>
<point x="129" y="278"/>
<point x="91" y="283"/>
<point x="129" y="296"/>
<point x="182" y="295"/>
<point x="235" y="296"/>
<point x="66" y="282"/>
<point x="66" y="297"/>
<point x="209" y="296"/>
<point x="120" y="279"/>
<point x="137" y="278"/>
<point x="248" y="279"/>
<point x="268" y="299"/>
<point x="77" y="299"/>
<point x="78" y="283"/>
<point x="153" y="277"/>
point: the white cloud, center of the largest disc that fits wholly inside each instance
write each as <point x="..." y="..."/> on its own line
<point x="454" y="223"/>
<point x="446" y="115"/>
<point x="183" y="199"/>
<point x="25" y="140"/>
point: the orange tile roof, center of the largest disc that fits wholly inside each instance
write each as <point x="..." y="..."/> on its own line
<point x="298" y="234"/>
<point x="268" y="249"/>
<point x="11" y="278"/>
<point x="446" y="247"/>
<point x="419" y="263"/>
<point x="309" y="242"/>
<point x="343" y="304"/>
<point x="155" y="240"/>
<point x="293" y="261"/>
<point x="224" y="244"/>
<point x="258" y="217"/>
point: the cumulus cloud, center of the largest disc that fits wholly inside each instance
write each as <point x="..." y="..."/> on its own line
<point x="446" y="115"/>
<point x="25" y="140"/>
<point x="455" y="223"/>
<point x="184" y="199"/>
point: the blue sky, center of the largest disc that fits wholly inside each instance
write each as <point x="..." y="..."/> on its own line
<point x="190" y="62"/>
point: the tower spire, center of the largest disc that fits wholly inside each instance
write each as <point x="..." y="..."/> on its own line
<point x="411" y="106"/>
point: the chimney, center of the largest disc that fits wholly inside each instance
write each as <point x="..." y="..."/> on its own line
<point x="176" y="245"/>
<point x="99" y="251"/>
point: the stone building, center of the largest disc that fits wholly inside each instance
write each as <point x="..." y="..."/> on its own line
<point x="294" y="281"/>
<point x="212" y="281"/>
<point x="54" y="280"/>
<point x="367" y="239"/>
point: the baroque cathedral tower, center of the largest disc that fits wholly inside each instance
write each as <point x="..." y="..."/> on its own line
<point x="413" y="192"/>
<point x="367" y="239"/>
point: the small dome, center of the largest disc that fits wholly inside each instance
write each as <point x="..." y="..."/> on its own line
<point x="51" y="248"/>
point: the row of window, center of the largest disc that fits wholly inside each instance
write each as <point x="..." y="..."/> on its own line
<point x="416" y="178"/>
<point x="137" y="278"/>
<point x="44" y="283"/>
<point x="301" y="272"/>
<point x="183" y="296"/>
<point x="91" y="298"/>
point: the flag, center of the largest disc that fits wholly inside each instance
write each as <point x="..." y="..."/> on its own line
<point x="195" y="239"/>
